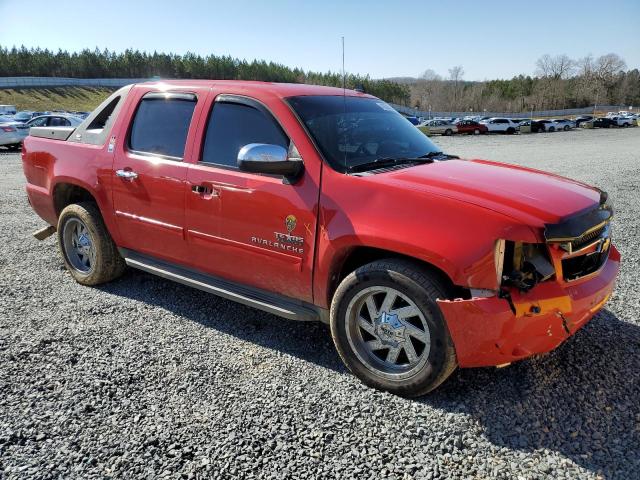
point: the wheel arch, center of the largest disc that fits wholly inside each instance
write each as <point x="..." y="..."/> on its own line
<point x="65" y="193"/>
<point x="356" y="257"/>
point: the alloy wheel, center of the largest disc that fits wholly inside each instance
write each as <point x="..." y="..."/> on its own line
<point x="78" y="246"/>
<point x="388" y="332"/>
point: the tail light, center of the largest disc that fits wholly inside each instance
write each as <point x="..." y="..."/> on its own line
<point x="8" y="129"/>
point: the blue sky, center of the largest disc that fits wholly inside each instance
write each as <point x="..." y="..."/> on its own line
<point x="490" y="39"/>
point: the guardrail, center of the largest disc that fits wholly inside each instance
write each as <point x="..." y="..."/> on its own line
<point x="40" y="82"/>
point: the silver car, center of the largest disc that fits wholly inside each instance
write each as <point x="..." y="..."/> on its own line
<point x="55" y="120"/>
<point x="441" y="127"/>
<point x="563" y="124"/>
<point x="12" y="133"/>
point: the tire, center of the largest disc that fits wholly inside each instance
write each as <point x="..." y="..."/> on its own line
<point x="552" y="129"/>
<point x="448" y="132"/>
<point x="567" y="128"/>
<point x="511" y="131"/>
<point x="420" y="365"/>
<point x="476" y="131"/>
<point x="89" y="253"/>
<point x="14" y="148"/>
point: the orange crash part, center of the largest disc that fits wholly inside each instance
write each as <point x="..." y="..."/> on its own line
<point x="492" y="331"/>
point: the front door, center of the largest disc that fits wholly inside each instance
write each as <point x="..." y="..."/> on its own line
<point x="249" y="228"/>
<point x="149" y="175"/>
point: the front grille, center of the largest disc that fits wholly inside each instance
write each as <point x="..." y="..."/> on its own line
<point x="587" y="238"/>
<point x="576" y="267"/>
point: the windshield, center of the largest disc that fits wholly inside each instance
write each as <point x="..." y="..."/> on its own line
<point x="350" y="131"/>
<point x="22" y="116"/>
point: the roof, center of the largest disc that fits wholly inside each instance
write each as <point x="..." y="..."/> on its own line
<point x="281" y="90"/>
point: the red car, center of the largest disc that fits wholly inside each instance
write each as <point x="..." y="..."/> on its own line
<point x="471" y="127"/>
<point x="316" y="204"/>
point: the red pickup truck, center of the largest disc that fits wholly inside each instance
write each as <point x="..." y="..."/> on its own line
<point x="314" y="203"/>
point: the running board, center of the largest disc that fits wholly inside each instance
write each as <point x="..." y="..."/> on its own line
<point x="265" y="301"/>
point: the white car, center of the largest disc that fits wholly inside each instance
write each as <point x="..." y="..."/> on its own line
<point x="502" y="125"/>
<point x="622" y="121"/>
<point x="8" y="110"/>
<point x="12" y="133"/>
<point x="563" y="124"/>
<point x="54" y="120"/>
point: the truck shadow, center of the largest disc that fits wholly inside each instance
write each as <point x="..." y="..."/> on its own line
<point x="580" y="401"/>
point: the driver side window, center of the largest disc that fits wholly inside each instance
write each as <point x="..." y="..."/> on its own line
<point x="234" y="125"/>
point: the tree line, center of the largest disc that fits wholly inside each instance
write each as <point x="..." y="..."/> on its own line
<point x="37" y="62"/>
<point x="559" y="82"/>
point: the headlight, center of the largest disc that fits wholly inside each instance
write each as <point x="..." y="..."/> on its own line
<point x="523" y="265"/>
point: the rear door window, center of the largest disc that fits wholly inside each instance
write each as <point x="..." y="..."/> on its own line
<point x="234" y="125"/>
<point x="161" y="124"/>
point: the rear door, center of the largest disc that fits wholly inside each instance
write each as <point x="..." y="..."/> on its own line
<point x="149" y="174"/>
<point x="249" y="228"/>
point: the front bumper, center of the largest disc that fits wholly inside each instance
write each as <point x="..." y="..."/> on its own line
<point x="487" y="331"/>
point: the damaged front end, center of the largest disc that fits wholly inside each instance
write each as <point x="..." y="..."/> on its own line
<point x="545" y="292"/>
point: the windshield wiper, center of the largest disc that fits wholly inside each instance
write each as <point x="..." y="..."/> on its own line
<point x="381" y="162"/>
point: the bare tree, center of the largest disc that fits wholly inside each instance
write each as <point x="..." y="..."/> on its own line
<point x="608" y="66"/>
<point x="455" y="77"/>
<point x="557" y="67"/>
<point x="427" y="89"/>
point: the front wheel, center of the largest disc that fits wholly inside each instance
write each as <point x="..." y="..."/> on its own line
<point x="567" y="128"/>
<point x="448" y="132"/>
<point x="388" y="329"/>
<point x="88" y="250"/>
<point x="511" y="131"/>
<point x="552" y="129"/>
<point x="476" y="131"/>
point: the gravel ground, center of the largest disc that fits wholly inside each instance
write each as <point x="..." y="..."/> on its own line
<point x="143" y="378"/>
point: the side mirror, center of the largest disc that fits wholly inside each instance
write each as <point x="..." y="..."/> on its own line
<point x="270" y="159"/>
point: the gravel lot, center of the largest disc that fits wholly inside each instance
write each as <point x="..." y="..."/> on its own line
<point x="143" y="378"/>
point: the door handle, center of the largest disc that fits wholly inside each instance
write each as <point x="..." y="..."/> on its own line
<point x="127" y="174"/>
<point x="207" y="191"/>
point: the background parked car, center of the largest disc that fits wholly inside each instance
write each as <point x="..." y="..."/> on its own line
<point x="536" y="126"/>
<point x="12" y="133"/>
<point x="548" y="125"/>
<point x="602" y="122"/>
<point x="8" y="110"/>
<point x="582" y="119"/>
<point x="55" y="121"/>
<point x="441" y="127"/>
<point x="23" y="116"/>
<point x="563" y="124"/>
<point x="622" y="121"/>
<point x="471" y="127"/>
<point x="501" y="125"/>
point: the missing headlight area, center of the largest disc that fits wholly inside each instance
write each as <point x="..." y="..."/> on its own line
<point x="525" y="265"/>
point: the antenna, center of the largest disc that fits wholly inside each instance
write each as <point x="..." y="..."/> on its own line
<point x="344" y="75"/>
<point x="344" y="99"/>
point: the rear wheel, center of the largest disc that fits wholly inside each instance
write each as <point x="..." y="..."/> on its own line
<point x="511" y="130"/>
<point x="552" y="129"/>
<point x="448" y="132"/>
<point x="567" y="128"/>
<point x="476" y="131"/>
<point x="87" y="248"/>
<point x="388" y="329"/>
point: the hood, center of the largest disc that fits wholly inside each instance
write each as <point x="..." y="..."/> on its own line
<point x="531" y="196"/>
